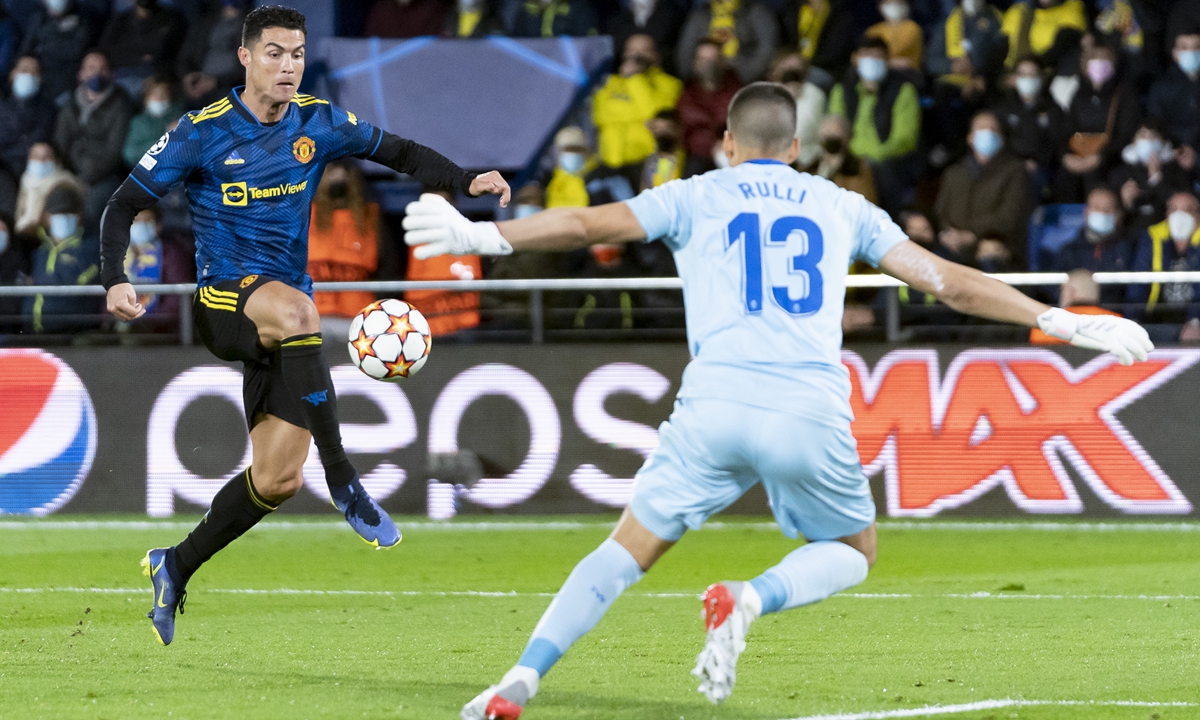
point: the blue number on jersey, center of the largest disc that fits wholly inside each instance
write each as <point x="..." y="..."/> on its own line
<point x="746" y="227"/>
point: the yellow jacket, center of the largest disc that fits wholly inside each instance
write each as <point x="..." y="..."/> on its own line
<point x="567" y="189"/>
<point x="621" y="109"/>
<point x="1044" y="27"/>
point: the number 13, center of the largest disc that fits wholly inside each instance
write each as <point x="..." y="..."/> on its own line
<point x="746" y="227"/>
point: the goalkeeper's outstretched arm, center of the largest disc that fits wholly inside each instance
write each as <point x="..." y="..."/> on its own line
<point x="969" y="291"/>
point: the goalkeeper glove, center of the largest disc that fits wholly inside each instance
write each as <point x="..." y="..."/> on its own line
<point x="434" y="227"/>
<point x="1123" y="338"/>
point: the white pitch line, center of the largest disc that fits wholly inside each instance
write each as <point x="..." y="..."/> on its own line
<point x="514" y="594"/>
<point x="509" y="525"/>
<point x="930" y="710"/>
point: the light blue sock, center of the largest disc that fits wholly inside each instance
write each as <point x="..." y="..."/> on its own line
<point x="587" y="594"/>
<point x="810" y="574"/>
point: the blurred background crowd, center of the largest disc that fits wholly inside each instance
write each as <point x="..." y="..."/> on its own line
<point x="1053" y="135"/>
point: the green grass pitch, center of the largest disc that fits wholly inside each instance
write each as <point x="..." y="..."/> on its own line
<point x="952" y="614"/>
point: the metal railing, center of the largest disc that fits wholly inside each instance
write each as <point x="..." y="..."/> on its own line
<point x="536" y="288"/>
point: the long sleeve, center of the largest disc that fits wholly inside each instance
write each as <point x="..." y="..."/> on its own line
<point x="129" y="200"/>
<point x="424" y="164"/>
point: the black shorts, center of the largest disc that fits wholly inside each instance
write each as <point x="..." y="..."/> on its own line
<point x="219" y="311"/>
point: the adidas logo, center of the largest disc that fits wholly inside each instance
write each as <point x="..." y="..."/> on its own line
<point x="234" y="159"/>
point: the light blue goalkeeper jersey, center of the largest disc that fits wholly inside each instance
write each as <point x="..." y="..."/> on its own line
<point x="763" y="252"/>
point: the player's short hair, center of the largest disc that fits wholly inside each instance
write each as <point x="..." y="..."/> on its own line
<point x="269" y="16"/>
<point x="762" y="116"/>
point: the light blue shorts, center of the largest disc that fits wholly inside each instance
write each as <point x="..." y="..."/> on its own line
<point x="712" y="451"/>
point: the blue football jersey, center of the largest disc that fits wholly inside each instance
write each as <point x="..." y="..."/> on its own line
<point x="763" y="252"/>
<point x="250" y="185"/>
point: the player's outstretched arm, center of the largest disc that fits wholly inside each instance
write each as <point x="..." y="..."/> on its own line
<point x="969" y="291"/>
<point x="432" y="168"/>
<point x="129" y="200"/>
<point x="435" y="227"/>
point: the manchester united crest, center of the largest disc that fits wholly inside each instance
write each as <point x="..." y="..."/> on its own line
<point x="304" y="149"/>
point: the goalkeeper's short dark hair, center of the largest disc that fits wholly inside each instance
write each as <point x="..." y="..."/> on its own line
<point x="762" y="116"/>
<point x="269" y="16"/>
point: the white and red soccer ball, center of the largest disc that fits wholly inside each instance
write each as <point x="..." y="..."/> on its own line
<point x="389" y="340"/>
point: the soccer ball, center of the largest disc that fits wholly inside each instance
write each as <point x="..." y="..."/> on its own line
<point x="389" y="340"/>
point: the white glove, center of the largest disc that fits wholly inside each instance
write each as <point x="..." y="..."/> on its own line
<point x="435" y="227"/>
<point x="1123" y="338"/>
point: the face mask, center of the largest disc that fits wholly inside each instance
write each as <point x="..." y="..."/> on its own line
<point x="157" y="108"/>
<point x="524" y="211"/>
<point x="833" y="146"/>
<point x="972" y="7"/>
<point x="63" y="226"/>
<point x="894" y="11"/>
<point x="1181" y="224"/>
<point x="39" y="169"/>
<point x="571" y="162"/>
<point x="25" y="85"/>
<point x="1189" y="61"/>
<point x="1029" y="87"/>
<point x="871" y="69"/>
<point x="97" y="83"/>
<point x="987" y="143"/>
<point x="1099" y="71"/>
<point x="57" y="7"/>
<point x="1146" y="149"/>
<point x="142" y="233"/>
<point x="666" y="143"/>
<point x="3" y="241"/>
<point x="1102" y="224"/>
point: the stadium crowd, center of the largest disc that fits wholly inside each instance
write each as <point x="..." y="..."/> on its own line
<point x="964" y="119"/>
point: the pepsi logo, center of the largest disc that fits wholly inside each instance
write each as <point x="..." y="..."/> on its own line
<point x="47" y="432"/>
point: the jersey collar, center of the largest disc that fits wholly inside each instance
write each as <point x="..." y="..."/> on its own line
<point x="235" y="98"/>
<point x="766" y="161"/>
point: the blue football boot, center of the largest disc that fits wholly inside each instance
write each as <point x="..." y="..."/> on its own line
<point x="364" y="515"/>
<point x="168" y="595"/>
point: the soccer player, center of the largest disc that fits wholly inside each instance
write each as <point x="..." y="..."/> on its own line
<point x="251" y="163"/>
<point x="763" y="252"/>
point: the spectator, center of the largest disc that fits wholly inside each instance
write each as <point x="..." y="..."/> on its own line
<point x="343" y="239"/>
<point x="1081" y="295"/>
<point x="660" y="19"/>
<point x="26" y="116"/>
<point x="903" y="35"/>
<point x="208" y="61"/>
<point x="965" y="55"/>
<point x="745" y="30"/>
<point x="1034" y="124"/>
<point x="67" y="256"/>
<point x="1048" y="29"/>
<point x="59" y="41"/>
<point x="704" y="103"/>
<point x="1103" y="243"/>
<point x="550" y="18"/>
<point x="885" y="119"/>
<point x="666" y="162"/>
<point x="43" y="172"/>
<point x="1117" y="19"/>
<point x="10" y="42"/>
<point x="1175" y="97"/>
<point x="510" y="310"/>
<point x="915" y="306"/>
<point x="406" y="18"/>
<point x="448" y="312"/>
<point x="838" y="162"/>
<point x="984" y="200"/>
<point x="573" y="161"/>
<point x="90" y="132"/>
<point x="14" y="270"/>
<point x="1100" y="122"/>
<point x="473" y="19"/>
<point x="793" y="71"/>
<point x="143" y="41"/>
<point x="160" y="109"/>
<point x="1183" y="20"/>
<point x="144" y="259"/>
<point x="1148" y="175"/>
<point x="628" y="100"/>
<point x="1171" y="245"/>
<point x="822" y="31"/>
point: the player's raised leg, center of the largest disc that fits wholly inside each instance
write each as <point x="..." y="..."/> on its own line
<point x="807" y="575"/>
<point x="585" y="597"/>
<point x="287" y="319"/>
<point x="279" y="450"/>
